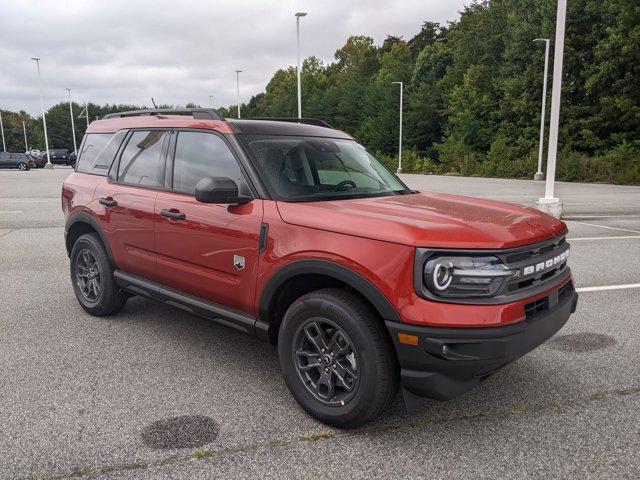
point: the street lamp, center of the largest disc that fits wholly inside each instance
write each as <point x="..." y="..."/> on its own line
<point x="73" y="127"/>
<point x="211" y="98"/>
<point x="539" y="175"/>
<point x="549" y="204"/>
<point x="4" y="148"/>
<point x="44" y="120"/>
<point x="298" y="15"/>
<point x="238" y="89"/>
<point x="24" y="130"/>
<point x="400" y="136"/>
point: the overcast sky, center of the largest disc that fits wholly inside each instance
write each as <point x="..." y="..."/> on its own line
<point x="181" y="51"/>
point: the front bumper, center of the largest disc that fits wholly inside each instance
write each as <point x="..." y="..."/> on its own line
<point x="447" y="362"/>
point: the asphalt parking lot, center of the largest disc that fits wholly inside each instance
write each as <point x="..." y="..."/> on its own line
<point x="99" y="398"/>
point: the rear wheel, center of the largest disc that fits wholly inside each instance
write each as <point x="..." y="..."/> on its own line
<point x="92" y="277"/>
<point x="336" y="358"/>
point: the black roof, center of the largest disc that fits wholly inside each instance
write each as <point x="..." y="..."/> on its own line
<point x="278" y="127"/>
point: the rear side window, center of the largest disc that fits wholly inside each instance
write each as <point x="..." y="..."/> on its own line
<point x="200" y="155"/>
<point x="16" y="156"/>
<point x="141" y="160"/>
<point x="97" y="152"/>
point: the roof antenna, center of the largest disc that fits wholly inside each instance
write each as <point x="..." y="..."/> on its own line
<point x="154" y="103"/>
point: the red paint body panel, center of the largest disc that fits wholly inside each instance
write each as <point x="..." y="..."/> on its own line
<point x="196" y="255"/>
<point x="428" y="220"/>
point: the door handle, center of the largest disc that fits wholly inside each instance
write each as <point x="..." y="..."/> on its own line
<point x="108" y="202"/>
<point x="173" y="214"/>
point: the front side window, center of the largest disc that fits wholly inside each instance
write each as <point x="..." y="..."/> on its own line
<point x="199" y="155"/>
<point x="141" y="160"/>
<point x="303" y="169"/>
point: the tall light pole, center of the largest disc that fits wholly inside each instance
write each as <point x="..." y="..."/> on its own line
<point x="211" y="98"/>
<point x="539" y="175"/>
<point x="24" y="130"/>
<point x="73" y="127"/>
<point x="238" y="89"/>
<point x="4" y="147"/>
<point x="298" y="15"/>
<point x="549" y="203"/>
<point x="44" y="119"/>
<point x="400" y="136"/>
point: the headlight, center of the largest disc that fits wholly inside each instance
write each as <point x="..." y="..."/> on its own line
<point x="465" y="276"/>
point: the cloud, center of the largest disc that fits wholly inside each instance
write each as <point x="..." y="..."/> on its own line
<point x="128" y="51"/>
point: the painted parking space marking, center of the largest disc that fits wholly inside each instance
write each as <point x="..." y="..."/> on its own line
<point x="604" y="226"/>
<point x="608" y="287"/>
<point x="619" y="237"/>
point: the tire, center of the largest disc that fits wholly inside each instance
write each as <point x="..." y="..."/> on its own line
<point x="23" y="166"/>
<point x="364" y="358"/>
<point x="89" y="263"/>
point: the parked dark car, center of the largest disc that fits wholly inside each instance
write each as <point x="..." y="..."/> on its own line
<point x="73" y="156"/>
<point x="20" y="161"/>
<point x="58" y="156"/>
<point x="38" y="160"/>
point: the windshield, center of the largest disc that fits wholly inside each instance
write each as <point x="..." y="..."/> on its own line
<point x="303" y="169"/>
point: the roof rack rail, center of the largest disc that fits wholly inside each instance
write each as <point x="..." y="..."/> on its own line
<point x="197" y="113"/>
<point x="308" y="121"/>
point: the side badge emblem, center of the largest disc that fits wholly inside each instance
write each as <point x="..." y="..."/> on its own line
<point x="238" y="262"/>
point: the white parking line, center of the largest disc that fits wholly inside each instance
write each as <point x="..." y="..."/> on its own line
<point x="608" y="287"/>
<point x="2" y="200"/>
<point x="587" y="217"/>
<point x="10" y="211"/>
<point x="619" y="237"/>
<point x="603" y="226"/>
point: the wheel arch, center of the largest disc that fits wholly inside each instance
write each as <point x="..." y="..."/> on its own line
<point x="298" y="278"/>
<point x="80" y="223"/>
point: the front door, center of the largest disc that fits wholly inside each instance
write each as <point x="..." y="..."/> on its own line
<point x="126" y="201"/>
<point x="206" y="250"/>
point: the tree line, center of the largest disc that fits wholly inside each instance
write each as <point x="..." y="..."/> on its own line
<point x="473" y="92"/>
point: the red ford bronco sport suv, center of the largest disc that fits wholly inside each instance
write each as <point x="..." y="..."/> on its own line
<point x="293" y="232"/>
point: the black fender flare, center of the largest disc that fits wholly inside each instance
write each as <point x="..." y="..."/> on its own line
<point x="329" y="269"/>
<point x="84" y="217"/>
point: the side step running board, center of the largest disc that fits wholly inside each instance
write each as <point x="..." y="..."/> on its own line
<point x="204" y="308"/>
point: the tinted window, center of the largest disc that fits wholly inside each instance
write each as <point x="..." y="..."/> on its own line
<point x="17" y="156"/>
<point x="4" y="156"/>
<point x="140" y="163"/>
<point x="200" y="155"/>
<point x="97" y="152"/>
<point x="315" y="168"/>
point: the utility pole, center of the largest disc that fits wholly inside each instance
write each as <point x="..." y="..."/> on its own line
<point x="549" y="204"/>
<point x="238" y="89"/>
<point x="298" y="16"/>
<point x="211" y="98"/>
<point x="73" y="127"/>
<point x="24" y="130"/>
<point x="44" y="118"/>
<point x="539" y="175"/>
<point x="4" y="147"/>
<point x="400" y="136"/>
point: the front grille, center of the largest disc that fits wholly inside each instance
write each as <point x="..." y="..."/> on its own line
<point x="532" y="256"/>
<point x="543" y="304"/>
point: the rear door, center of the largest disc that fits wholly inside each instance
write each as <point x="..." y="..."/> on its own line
<point x="211" y="250"/>
<point x="127" y="197"/>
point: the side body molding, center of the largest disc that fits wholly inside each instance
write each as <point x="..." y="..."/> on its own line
<point x="83" y="217"/>
<point x="329" y="269"/>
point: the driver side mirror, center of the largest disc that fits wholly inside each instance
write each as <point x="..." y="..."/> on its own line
<point x="219" y="190"/>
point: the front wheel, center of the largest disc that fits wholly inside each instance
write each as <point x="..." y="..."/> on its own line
<point x="92" y="277"/>
<point x="23" y="166"/>
<point x="336" y="358"/>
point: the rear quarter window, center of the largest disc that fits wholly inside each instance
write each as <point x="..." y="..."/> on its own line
<point x="98" y="151"/>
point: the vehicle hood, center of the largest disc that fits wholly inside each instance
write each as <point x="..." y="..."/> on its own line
<point x="428" y="220"/>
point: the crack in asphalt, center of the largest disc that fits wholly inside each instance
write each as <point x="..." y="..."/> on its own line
<point x="334" y="435"/>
